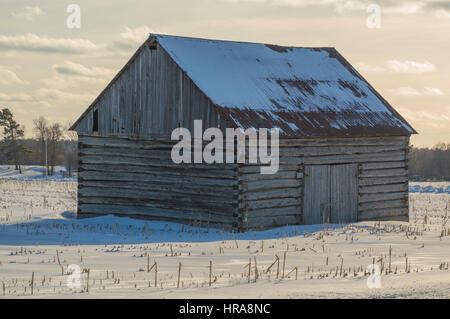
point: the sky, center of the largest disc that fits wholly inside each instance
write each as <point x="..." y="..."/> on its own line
<point x="52" y="66"/>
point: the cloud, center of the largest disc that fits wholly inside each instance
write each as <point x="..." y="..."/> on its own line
<point x="8" y="76"/>
<point x="433" y="91"/>
<point x="405" y="8"/>
<point x="388" y="7"/>
<point x="433" y="4"/>
<point x="15" y="97"/>
<point x="138" y="34"/>
<point x="51" y="97"/>
<point x="125" y="45"/>
<point x="351" y="6"/>
<point x="398" y="66"/>
<point x="28" y="13"/>
<point x="300" y="3"/>
<point x="47" y="97"/>
<point x="404" y="90"/>
<point x="411" y="66"/>
<point x="442" y="14"/>
<point x="51" y="94"/>
<point x="422" y="115"/>
<point x="71" y="68"/>
<point x="33" y="42"/>
<point x="367" y="68"/>
<point x="294" y="3"/>
<point x="436" y="120"/>
<point x="62" y="82"/>
<point x="340" y="6"/>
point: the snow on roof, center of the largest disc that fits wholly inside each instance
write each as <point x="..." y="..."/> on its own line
<point x="303" y="91"/>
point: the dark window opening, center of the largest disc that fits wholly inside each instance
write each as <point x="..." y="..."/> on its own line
<point x="95" y="122"/>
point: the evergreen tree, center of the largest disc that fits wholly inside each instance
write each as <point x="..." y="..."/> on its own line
<point x="11" y="146"/>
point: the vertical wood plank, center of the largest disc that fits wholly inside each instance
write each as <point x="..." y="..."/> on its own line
<point x="316" y="194"/>
<point x="343" y="193"/>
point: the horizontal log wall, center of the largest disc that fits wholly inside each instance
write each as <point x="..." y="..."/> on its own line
<point x="137" y="178"/>
<point x="383" y="188"/>
<point x="274" y="200"/>
<point x="269" y="200"/>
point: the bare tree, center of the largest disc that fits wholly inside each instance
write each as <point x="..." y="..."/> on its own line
<point x="42" y="131"/>
<point x="55" y="134"/>
<point x="430" y="163"/>
<point x="70" y="150"/>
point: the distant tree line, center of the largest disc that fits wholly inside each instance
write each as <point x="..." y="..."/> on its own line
<point x="430" y="163"/>
<point x="53" y="145"/>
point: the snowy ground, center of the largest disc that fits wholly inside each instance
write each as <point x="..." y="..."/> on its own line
<point x="39" y="234"/>
<point x="30" y="173"/>
<point x="430" y="187"/>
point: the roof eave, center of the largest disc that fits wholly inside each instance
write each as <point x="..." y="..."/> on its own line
<point x="377" y="94"/>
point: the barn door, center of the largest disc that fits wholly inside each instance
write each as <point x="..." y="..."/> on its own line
<point x="316" y="187"/>
<point x="344" y="193"/>
<point x="330" y="194"/>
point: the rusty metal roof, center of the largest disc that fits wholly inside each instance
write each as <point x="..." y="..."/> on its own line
<point x="302" y="91"/>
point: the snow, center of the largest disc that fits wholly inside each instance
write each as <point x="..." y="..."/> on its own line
<point x="37" y="218"/>
<point x="430" y="187"/>
<point x="32" y="172"/>
<point x="260" y="77"/>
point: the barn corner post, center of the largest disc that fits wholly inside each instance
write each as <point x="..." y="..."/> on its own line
<point x="79" y="178"/>
<point x="358" y="172"/>
<point x="241" y="211"/>
<point x="300" y="175"/>
<point x="407" y="159"/>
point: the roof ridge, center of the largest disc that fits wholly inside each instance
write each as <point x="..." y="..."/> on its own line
<point x="240" y="80"/>
<point x="156" y="35"/>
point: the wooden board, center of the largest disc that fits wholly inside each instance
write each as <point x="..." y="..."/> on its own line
<point x="137" y="177"/>
<point x="343" y="193"/>
<point x="330" y="194"/>
<point x="316" y="194"/>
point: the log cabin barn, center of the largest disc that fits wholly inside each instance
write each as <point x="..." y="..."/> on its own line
<point x="343" y="148"/>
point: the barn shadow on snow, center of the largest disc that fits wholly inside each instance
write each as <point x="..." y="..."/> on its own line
<point x="113" y="230"/>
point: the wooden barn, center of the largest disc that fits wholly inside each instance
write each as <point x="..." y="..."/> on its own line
<point x="343" y="147"/>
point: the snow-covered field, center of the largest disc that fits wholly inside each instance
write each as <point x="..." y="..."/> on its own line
<point x="430" y="187"/>
<point x="30" y="173"/>
<point x="39" y="235"/>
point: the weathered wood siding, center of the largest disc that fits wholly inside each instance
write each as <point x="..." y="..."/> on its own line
<point x="150" y="97"/>
<point x="136" y="177"/>
<point x="343" y="193"/>
<point x="330" y="193"/>
<point x="125" y="167"/>
<point x="382" y="179"/>
<point x="316" y="194"/>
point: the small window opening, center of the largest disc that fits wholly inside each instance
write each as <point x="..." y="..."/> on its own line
<point x="95" y="122"/>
